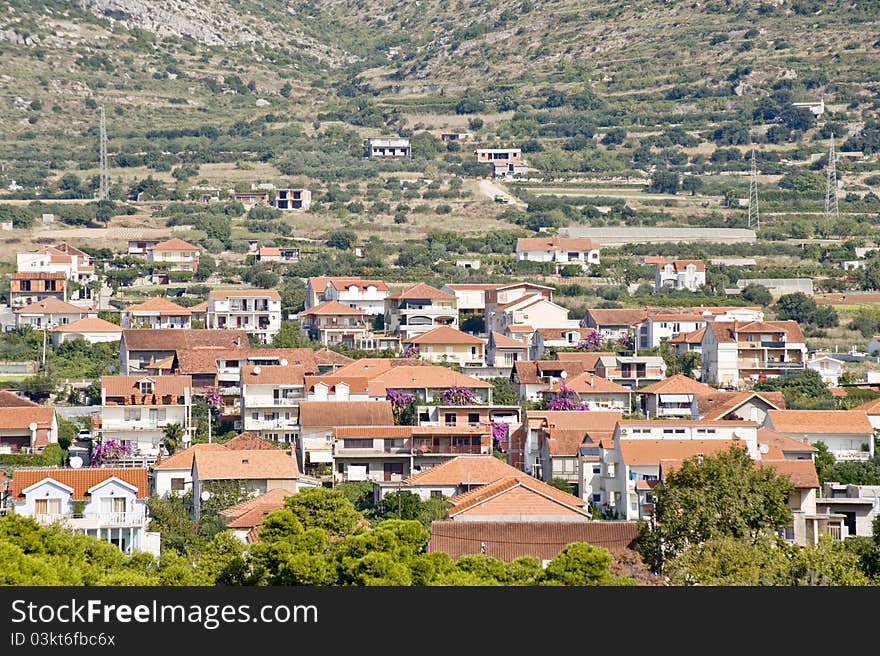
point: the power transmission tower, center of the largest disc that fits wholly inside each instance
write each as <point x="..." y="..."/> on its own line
<point x="103" y="180"/>
<point x="754" y="218"/>
<point x="831" y="209"/>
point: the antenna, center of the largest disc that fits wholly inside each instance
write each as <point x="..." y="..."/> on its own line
<point x="831" y="209"/>
<point x="754" y="218"/>
<point x="103" y="180"/>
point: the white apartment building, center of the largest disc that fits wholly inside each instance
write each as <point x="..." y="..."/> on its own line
<point x="680" y="275"/>
<point x="76" y="266"/>
<point x="270" y="398"/>
<point x="156" y="313"/>
<point x="366" y="295"/>
<point x="135" y="410"/>
<point x="561" y="251"/>
<point x="256" y="311"/>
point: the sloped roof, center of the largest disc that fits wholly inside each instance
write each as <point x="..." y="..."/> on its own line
<point x="721" y="403"/>
<point x="421" y="290"/>
<point x="184" y="459"/>
<point x="562" y="333"/>
<point x="174" y="339"/>
<point x="465" y="469"/>
<point x="246" y="465"/>
<point x="587" y="359"/>
<point x="820" y="421"/>
<point x="273" y="375"/>
<point x="175" y="385"/>
<point x="590" y="383"/>
<point x="356" y="384"/>
<point x="617" y="317"/>
<point x="556" y="243"/>
<point x="268" y="251"/>
<point x="372" y="367"/>
<point x="802" y="473"/>
<point x="174" y="244"/>
<point x="431" y="376"/>
<point x="81" y="480"/>
<point x="327" y="356"/>
<point x="649" y="452"/>
<point x="529" y="372"/>
<point x="52" y="305"/>
<point x="692" y="337"/>
<point x="11" y="400"/>
<point x="568" y="430"/>
<point x="21" y="416"/>
<point x="345" y="413"/>
<point x="273" y="498"/>
<point x="249" y="442"/>
<point x="161" y="305"/>
<point x="520" y="506"/>
<point x="503" y="341"/>
<point x="89" y="325"/>
<point x="445" y="335"/>
<point x="782" y="442"/>
<point x="678" y="384"/>
<point x="725" y="331"/>
<point x="332" y="307"/>
<point x="508" y="540"/>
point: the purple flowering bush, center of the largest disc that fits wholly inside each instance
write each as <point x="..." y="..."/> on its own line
<point x="592" y="342"/>
<point x="214" y="399"/>
<point x="109" y="450"/>
<point x="456" y="395"/>
<point x="499" y="433"/>
<point x="566" y="399"/>
<point x="411" y="351"/>
<point x="402" y="405"/>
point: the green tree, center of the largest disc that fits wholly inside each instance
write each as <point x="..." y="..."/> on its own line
<point x="504" y="392"/>
<point x="207" y="267"/>
<point x="170" y="516"/>
<point x="173" y="437"/>
<point x="323" y="508"/>
<point x="664" y="182"/>
<point x="756" y="294"/>
<point x="290" y="335"/>
<point x="692" y="183"/>
<point x="719" y="495"/>
<point x="342" y="239"/>
<point x="579" y="564"/>
<point x="804" y="388"/>
<point x="560" y="484"/>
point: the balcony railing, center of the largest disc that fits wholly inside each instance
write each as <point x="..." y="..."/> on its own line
<point x="262" y="424"/>
<point x="94" y="520"/>
<point x="444" y="450"/>
<point x="773" y="364"/>
<point x="773" y="344"/>
<point x="341" y="452"/>
<point x="851" y="454"/>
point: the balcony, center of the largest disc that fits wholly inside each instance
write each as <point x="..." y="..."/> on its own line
<point x="95" y="520"/>
<point x="772" y="344"/>
<point x="272" y="403"/>
<point x="266" y="424"/>
<point x="342" y="452"/>
<point x="442" y="450"/>
<point x="851" y="454"/>
<point x="791" y="364"/>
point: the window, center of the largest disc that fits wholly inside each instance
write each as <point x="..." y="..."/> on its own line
<point x="146" y="386"/>
<point x="597" y="498"/>
<point x="177" y="485"/>
<point x="255" y="416"/>
<point x="450" y="418"/>
<point x="436" y="494"/>
<point x="47" y="507"/>
<point x="473" y="417"/>
<point x="597" y="469"/>
<point x="112" y="505"/>
<point x="358" y="443"/>
<point x="132" y="414"/>
<point x="705" y="431"/>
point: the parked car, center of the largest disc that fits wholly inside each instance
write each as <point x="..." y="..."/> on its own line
<point x="84" y="434"/>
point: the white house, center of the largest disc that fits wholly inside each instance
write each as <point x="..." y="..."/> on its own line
<point x="848" y="434"/>
<point x="828" y="367"/>
<point x="49" y="313"/>
<point x="173" y="475"/>
<point x="91" y="330"/>
<point x="256" y="311"/>
<point x="532" y="310"/>
<point x="270" y="398"/>
<point x="109" y="504"/>
<point x="135" y="410"/>
<point x="418" y="308"/>
<point x="680" y="275"/>
<point x="366" y="295"/>
<point x="26" y="427"/>
<point x="77" y="266"/>
<point x="561" y="251"/>
<point x="156" y="313"/>
<point x="174" y="255"/>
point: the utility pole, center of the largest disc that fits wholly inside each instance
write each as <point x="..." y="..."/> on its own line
<point x="103" y="178"/>
<point x="754" y="218"/>
<point x="831" y="210"/>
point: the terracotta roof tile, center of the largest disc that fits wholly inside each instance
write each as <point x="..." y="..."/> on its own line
<point x="421" y="290"/>
<point x="373" y="431"/>
<point x="562" y="333"/>
<point x="678" y="384"/>
<point x="503" y="341"/>
<point x="174" y="244"/>
<point x="615" y="317"/>
<point x="820" y="421"/>
<point x="556" y="243"/>
<point x="174" y="339"/>
<point x="465" y="469"/>
<point x="331" y="308"/>
<point x="345" y="413"/>
<point x="245" y="465"/>
<point x="249" y="442"/>
<point x="159" y="305"/>
<point x="649" y="452"/>
<point x="328" y="357"/>
<point x="273" y="375"/>
<point x="543" y="540"/>
<point x="37" y="275"/>
<point x="184" y="459"/>
<point x="692" y="337"/>
<point x="802" y="473"/>
<point x="320" y="282"/>
<point x="783" y="442"/>
<point x="52" y="305"/>
<point x="356" y="384"/>
<point x="81" y="480"/>
<point x="89" y="325"/>
<point x="721" y="403"/>
<point x="589" y="383"/>
<point x="534" y="497"/>
<point x="20" y="417"/>
<point x="444" y="335"/>
<point x="534" y="372"/>
<point x="372" y="367"/>
<point x="423" y="377"/>
<point x="274" y="498"/>
<point x="126" y="386"/>
<point x="11" y="400"/>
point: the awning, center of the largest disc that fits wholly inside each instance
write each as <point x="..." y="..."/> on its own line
<point x="675" y="398"/>
<point x="320" y="456"/>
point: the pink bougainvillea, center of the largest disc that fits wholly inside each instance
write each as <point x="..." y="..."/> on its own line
<point x="109" y="450"/>
<point x="214" y="399"/>
<point x="566" y="399"/>
<point x="500" y="431"/>
<point x="591" y="342"/>
<point x="456" y="395"/>
<point x="411" y="351"/>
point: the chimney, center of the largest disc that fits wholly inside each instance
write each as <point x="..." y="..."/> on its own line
<point x="592" y="377"/>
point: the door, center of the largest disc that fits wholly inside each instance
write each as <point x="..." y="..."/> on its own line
<point x="850" y="522"/>
<point x="392" y="470"/>
<point x="154" y="417"/>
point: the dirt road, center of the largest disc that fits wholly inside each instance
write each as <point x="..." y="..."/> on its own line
<point x="491" y="189"/>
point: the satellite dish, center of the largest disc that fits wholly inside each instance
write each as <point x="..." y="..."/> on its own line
<point x="32" y="426"/>
<point x="205" y="495"/>
<point x="563" y="375"/>
<point x="257" y="370"/>
<point x="283" y="362"/>
<point x="76" y="462"/>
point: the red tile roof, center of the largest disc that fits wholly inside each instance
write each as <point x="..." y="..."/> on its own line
<point x="174" y="244"/>
<point x="471" y="470"/>
<point x="11" y="400"/>
<point x="245" y="465"/>
<point x="251" y="513"/>
<point x="556" y="243"/>
<point x="519" y="496"/>
<point x="89" y="325"/>
<point x="589" y="383"/>
<point x="533" y="372"/>
<point x="820" y="421"/>
<point x="722" y="403"/>
<point x="421" y="290"/>
<point x="444" y="335"/>
<point x="614" y="317"/>
<point x="783" y="442"/>
<point x="651" y="452"/>
<point x="503" y="341"/>
<point x="693" y="337"/>
<point x="249" y="442"/>
<point x="184" y="459"/>
<point x="678" y="384"/>
<point x="126" y="386"/>
<point x="174" y="339"/>
<point x="37" y="275"/>
<point x="52" y="305"/>
<point x="802" y="473"/>
<point x="163" y="306"/>
<point x="20" y="417"/>
<point x="81" y="480"/>
<point x="345" y="413"/>
<point x="332" y="307"/>
<point x="273" y="375"/>
<point x="543" y="540"/>
<point x="423" y="377"/>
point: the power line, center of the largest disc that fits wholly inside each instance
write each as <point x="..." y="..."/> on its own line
<point x="831" y="209"/>
<point x="103" y="179"/>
